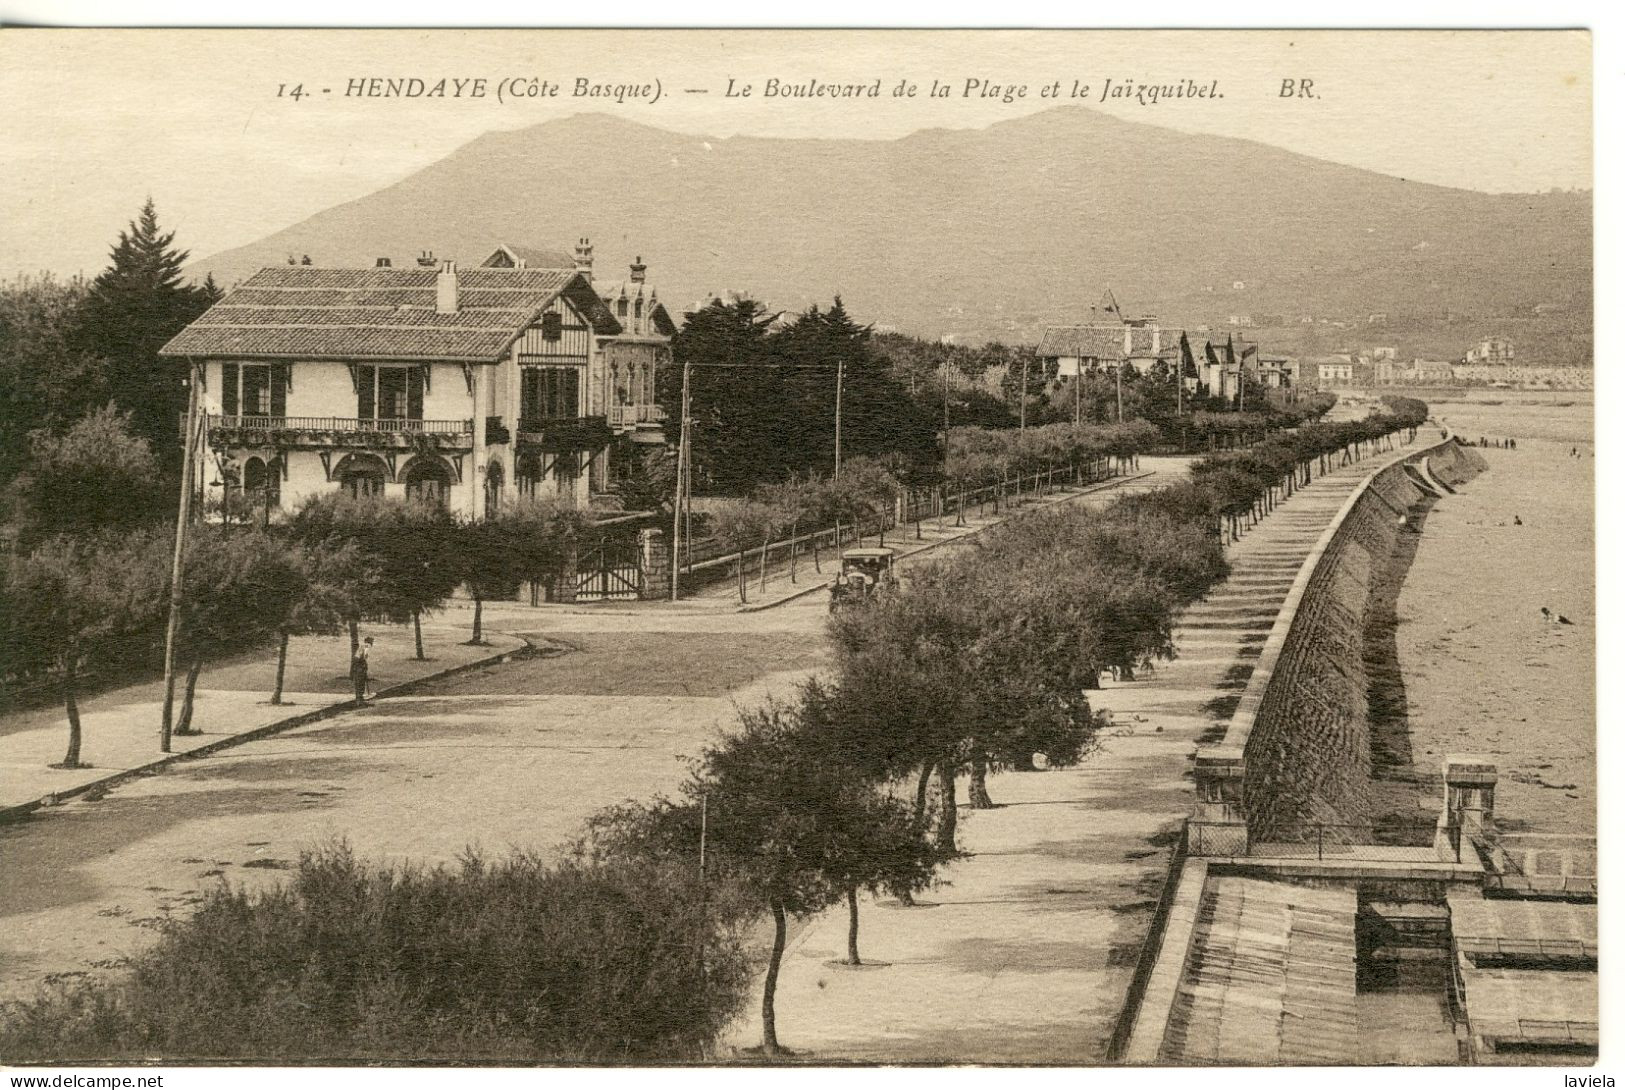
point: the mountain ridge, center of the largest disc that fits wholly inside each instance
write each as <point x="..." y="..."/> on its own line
<point x="987" y="233"/>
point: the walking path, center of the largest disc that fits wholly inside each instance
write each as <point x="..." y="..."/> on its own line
<point x="120" y="727"/>
<point x="1025" y="956"/>
<point x="909" y="539"/>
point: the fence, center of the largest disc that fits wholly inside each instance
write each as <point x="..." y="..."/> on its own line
<point x="709" y="560"/>
<point x="339" y="423"/>
<point x="1375" y="841"/>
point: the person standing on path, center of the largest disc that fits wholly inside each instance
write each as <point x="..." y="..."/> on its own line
<point x="358" y="671"/>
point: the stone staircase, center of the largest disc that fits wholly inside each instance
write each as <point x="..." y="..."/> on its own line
<point x="1270" y="977"/>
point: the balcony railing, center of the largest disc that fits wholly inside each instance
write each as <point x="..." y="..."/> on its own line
<point x="340" y="423"/>
<point x="561" y="434"/>
<point x="621" y="416"/>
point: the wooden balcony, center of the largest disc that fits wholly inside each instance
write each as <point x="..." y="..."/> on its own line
<point x="325" y="432"/>
<point x="563" y="434"/>
<point x="628" y="416"/>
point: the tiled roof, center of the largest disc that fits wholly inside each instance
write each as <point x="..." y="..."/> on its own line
<point x="1099" y="342"/>
<point x="300" y="311"/>
<point x="507" y="255"/>
<point x="1104" y="341"/>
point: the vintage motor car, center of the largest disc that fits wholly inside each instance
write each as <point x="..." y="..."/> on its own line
<point x="864" y="573"/>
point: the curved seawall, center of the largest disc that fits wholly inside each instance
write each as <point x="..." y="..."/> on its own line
<point x="1300" y="731"/>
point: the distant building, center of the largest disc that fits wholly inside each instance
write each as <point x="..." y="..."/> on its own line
<point x="1223" y="365"/>
<point x="1243" y="320"/>
<point x="1420" y="372"/>
<point x="1386" y="352"/>
<point x="1491" y="350"/>
<point x="1277" y="372"/>
<point x="1534" y="378"/>
<point x="1332" y="371"/>
<point x="1108" y="342"/>
<point x="1376" y="318"/>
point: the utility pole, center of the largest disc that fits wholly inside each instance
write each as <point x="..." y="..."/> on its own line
<point x="1077" y="395"/>
<point x="840" y="381"/>
<point x="678" y="502"/>
<point x="1023" y="394"/>
<point x="176" y="599"/>
<point x="1119" y="370"/>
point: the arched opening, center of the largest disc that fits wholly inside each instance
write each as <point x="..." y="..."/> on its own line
<point x="253" y="478"/>
<point x="428" y="480"/>
<point x="362" y="475"/>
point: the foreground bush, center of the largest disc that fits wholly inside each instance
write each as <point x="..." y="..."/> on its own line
<point x="515" y="960"/>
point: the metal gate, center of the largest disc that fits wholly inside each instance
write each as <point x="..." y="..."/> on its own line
<point x="610" y="572"/>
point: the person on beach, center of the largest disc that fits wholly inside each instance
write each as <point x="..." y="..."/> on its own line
<point x="358" y="671"/>
<point x="1516" y="521"/>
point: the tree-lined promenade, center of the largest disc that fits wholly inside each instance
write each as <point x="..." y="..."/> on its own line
<point x="981" y="659"/>
<point x="637" y="945"/>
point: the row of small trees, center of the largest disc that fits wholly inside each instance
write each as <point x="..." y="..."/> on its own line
<point x="1246" y="484"/>
<point x="976" y="664"/>
<point x="98" y="600"/>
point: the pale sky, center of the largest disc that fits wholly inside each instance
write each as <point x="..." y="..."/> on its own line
<point x="94" y="121"/>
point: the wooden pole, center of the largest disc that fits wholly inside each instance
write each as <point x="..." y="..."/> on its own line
<point x="840" y="382"/>
<point x="678" y="500"/>
<point x="1119" y="391"/>
<point x="1023" y="393"/>
<point x="176" y="600"/>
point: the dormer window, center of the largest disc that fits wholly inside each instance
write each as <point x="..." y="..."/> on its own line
<point x="620" y="308"/>
<point x="552" y="326"/>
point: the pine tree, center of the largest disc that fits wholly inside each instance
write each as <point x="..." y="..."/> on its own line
<point x="134" y="307"/>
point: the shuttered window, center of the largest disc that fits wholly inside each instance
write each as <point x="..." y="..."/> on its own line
<point x="389" y="393"/>
<point x="366" y="392"/>
<point x="550" y="392"/>
<point x="228" y="388"/>
<point x="256" y="396"/>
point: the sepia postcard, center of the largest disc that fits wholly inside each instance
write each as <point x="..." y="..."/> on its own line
<point x="727" y="548"/>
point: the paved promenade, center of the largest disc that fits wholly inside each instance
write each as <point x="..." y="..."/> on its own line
<point x="1025" y="956"/>
<point x="120" y="726"/>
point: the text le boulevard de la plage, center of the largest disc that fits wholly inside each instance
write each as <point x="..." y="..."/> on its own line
<point x="736" y="89"/>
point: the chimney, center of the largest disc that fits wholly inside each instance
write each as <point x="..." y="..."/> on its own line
<point x="383" y="263"/>
<point x="638" y="269"/>
<point x="445" y="289"/>
<point x="426" y="259"/>
<point x="584" y="259"/>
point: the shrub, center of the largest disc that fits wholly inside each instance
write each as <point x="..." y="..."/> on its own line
<point x="512" y="960"/>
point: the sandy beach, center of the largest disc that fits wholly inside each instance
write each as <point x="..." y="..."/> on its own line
<point x="1483" y="671"/>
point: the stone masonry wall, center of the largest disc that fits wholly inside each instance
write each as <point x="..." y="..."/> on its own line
<point x="1308" y="753"/>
